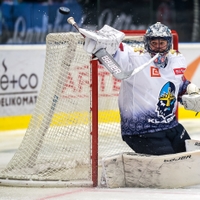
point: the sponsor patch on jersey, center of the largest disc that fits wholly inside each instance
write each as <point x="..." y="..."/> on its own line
<point x="155" y="72"/>
<point x="179" y="71"/>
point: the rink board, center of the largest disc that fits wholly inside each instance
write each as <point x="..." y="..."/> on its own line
<point x="138" y="170"/>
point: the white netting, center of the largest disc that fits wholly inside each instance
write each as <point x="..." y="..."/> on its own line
<point x="59" y="131"/>
<point x="57" y="145"/>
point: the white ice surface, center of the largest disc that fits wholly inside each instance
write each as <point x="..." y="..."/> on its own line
<point x="10" y="141"/>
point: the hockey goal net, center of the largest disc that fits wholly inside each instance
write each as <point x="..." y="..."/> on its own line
<point x="75" y="122"/>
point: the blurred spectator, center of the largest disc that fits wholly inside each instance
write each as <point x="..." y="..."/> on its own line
<point x="41" y="1"/>
<point x="165" y="13"/>
<point x="55" y="1"/>
<point x="8" y="1"/>
<point x="20" y="1"/>
<point x="34" y="1"/>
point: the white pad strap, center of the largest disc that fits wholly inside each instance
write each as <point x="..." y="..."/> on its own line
<point x="192" y="145"/>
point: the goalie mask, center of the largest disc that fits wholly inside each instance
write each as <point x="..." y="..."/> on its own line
<point x="158" y="39"/>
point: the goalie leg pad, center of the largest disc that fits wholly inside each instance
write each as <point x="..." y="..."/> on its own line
<point x="140" y="170"/>
<point x="113" y="171"/>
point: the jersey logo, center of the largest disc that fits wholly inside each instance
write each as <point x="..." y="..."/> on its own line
<point x="166" y="100"/>
<point x="179" y="71"/>
<point x="155" y="72"/>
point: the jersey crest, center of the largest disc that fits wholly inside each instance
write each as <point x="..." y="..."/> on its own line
<point x="166" y="100"/>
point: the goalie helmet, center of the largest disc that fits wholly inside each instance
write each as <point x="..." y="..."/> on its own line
<point x="158" y="32"/>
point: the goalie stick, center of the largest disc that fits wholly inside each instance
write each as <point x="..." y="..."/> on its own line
<point x="108" y="61"/>
<point x="105" y="58"/>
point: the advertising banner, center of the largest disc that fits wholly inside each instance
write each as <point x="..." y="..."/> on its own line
<point x="21" y="72"/>
<point x="21" y="75"/>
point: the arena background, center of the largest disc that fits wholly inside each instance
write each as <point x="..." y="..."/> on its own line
<point x="28" y="21"/>
<point x="25" y="24"/>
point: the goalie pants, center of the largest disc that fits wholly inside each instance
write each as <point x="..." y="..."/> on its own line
<point x="159" y="143"/>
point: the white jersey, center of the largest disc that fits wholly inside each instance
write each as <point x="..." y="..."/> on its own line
<point x="148" y="100"/>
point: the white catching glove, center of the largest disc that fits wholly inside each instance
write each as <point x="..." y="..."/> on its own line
<point x="107" y="38"/>
<point x="191" y="101"/>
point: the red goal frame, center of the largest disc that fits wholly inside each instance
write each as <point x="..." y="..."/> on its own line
<point x="94" y="105"/>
